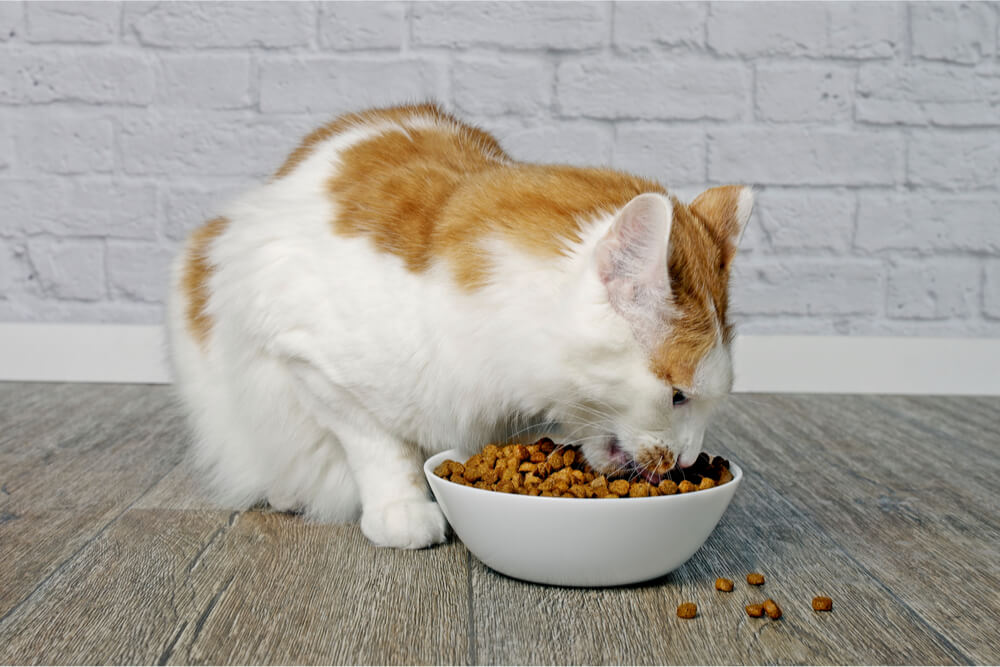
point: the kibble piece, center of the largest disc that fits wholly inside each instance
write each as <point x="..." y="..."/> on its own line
<point x="755" y="610"/>
<point x="687" y="610"/>
<point x="724" y="584"/>
<point x="527" y="467"/>
<point x="667" y="487"/>
<point x="706" y="483"/>
<point x="555" y="460"/>
<point x="599" y="482"/>
<point x="755" y="578"/>
<point x="686" y="487"/>
<point x="568" y="457"/>
<point x="619" y="487"/>
<point x="638" y="490"/>
<point x="822" y="603"/>
<point x="537" y="457"/>
<point x="772" y="609"/>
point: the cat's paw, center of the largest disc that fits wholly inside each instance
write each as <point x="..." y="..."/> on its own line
<point x="405" y="524"/>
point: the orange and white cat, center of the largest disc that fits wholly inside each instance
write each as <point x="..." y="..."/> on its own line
<point x="402" y="286"/>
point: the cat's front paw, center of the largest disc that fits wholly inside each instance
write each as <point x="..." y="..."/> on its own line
<point x="405" y="524"/>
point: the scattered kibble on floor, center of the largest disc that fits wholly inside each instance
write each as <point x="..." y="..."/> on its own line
<point x="722" y="584"/>
<point x="822" y="603"/>
<point x="687" y="610"/>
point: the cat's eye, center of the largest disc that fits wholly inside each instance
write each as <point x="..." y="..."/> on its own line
<point x="680" y="397"/>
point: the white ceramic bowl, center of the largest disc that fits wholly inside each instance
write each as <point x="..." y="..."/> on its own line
<point x="577" y="541"/>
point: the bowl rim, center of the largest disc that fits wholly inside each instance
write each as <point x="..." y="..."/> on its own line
<point x="433" y="461"/>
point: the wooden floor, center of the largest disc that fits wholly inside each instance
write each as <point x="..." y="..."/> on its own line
<point x="110" y="554"/>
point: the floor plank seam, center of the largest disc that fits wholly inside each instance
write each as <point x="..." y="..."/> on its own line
<point x="473" y="657"/>
<point x="208" y="610"/>
<point x="211" y="540"/>
<point x="83" y="546"/>
<point x="169" y="651"/>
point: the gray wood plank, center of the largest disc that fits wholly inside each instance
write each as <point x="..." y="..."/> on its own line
<point x="878" y="481"/>
<point x="75" y="459"/>
<point x="123" y="599"/>
<point x="517" y="622"/>
<point x="290" y="592"/>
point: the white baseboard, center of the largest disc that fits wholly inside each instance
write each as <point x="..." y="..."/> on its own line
<point x="807" y="364"/>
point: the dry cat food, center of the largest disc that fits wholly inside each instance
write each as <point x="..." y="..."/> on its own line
<point x="722" y="584"/>
<point x="547" y="469"/>
<point x="687" y="610"/>
<point x="755" y="610"/>
<point x="755" y="578"/>
<point x="822" y="603"/>
<point x="772" y="609"/>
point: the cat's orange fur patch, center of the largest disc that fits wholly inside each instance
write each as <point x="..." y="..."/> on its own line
<point x="373" y="117"/>
<point x="656" y="459"/>
<point x="423" y="193"/>
<point x="197" y="271"/>
<point x="701" y="251"/>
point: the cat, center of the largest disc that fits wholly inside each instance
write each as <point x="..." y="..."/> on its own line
<point x="402" y="286"/>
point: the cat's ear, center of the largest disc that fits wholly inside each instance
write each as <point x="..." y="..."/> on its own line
<point x="632" y="256"/>
<point x="726" y="210"/>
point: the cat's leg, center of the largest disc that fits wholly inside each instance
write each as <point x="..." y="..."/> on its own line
<point x="317" y="482"/>
<point x="396" y="510"/>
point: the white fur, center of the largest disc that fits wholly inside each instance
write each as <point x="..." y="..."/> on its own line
<point x="331" y="370"/>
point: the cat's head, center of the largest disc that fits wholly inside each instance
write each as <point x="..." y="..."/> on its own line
<point x="655" y="359"/>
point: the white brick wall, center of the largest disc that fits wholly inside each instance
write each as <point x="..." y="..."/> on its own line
<point x="871" y="129"/>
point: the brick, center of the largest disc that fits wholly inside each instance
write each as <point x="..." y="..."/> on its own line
<point x="753" y="237"/>
<point x="991" y="289"/>
<point x="669" y="155"/>
<point x="759" y="325"/>
<point x="334" y="85"/>
<point x="932" y="289"/>
<point x="71" y="75"/>
<point x="188" y="206"/>
<point x="222" y="24"/>
<point x="11" y="20"/>
<point x="929" y="93"/>
<point x="969" y="160"/>
<point x="345" y="26"/>
<point x="205" y="81"/>
<point x="808" y="220"/>
<point x="866" y="29"/>
<point x="768" y="28"/>
<point x="138" y="271"/>
<point x="644" y="25"/>
<point x="815" y="286"/>
<point x="598" y="88"/>
<point x="502" y="85"/>
<point x="804" y="93"/>
<point x="79" y="207"/>
<point x="582" y="145"/>
<point x="801" y="156"/>
<point x="67" y="144"/>
<point x="69" y="268"/>
<point x="208" y="144"/>
<point x="75" y="22"/>
<point x="514" y="25"/>
<point x="961" y="32"/>
<point x="928" y="223"/>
